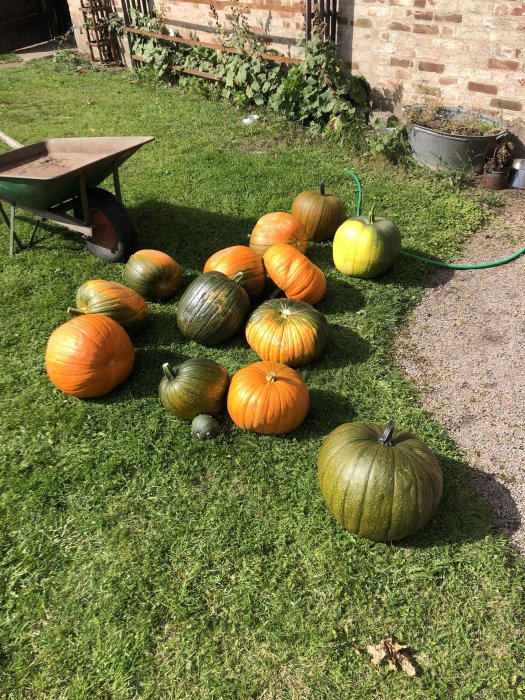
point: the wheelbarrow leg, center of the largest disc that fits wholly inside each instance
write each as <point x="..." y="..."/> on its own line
<point x="116" y="182"/>
<point x="10" y="221"/>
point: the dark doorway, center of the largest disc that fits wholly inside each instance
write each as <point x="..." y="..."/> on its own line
<point x="27" y="22"/>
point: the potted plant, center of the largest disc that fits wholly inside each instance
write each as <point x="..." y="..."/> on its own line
<point x="497" y="164"/>
<point x="450" y="137"/>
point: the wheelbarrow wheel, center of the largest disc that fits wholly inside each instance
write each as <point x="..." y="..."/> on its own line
<point x="114" y="238"/>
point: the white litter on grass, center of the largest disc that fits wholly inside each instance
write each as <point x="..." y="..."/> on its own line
<point x="250" y="119"/>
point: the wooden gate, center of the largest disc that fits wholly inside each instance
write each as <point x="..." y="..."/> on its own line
<point x="23" y="23"/>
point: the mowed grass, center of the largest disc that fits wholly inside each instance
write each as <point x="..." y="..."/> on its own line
<point x="139" y="562"/>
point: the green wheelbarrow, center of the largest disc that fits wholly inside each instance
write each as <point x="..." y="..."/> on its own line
<point x="52" y="178"/>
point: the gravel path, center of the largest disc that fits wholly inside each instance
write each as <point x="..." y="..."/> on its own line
<point x="464" y="347"/>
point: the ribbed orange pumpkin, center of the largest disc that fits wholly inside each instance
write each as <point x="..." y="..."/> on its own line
<point x="287" y="331"/>
<point x="268" y="398"/>
<point x="153" y="274"/>
<point x="239" y="258"/>
<point x="89" y="356"/>
<point x="321" y="213"/>
<point x="278" y="227"/>
<point x="114" y="300"/>
<point x="294" y="273"/>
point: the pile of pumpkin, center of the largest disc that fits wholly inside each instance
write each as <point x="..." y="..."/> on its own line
<point x="378" y="483"/>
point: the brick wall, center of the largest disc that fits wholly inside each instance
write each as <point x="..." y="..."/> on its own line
<point x="466" y="53"/>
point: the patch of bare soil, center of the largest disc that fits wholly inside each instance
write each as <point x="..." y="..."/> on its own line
<point x="464" y="347"/>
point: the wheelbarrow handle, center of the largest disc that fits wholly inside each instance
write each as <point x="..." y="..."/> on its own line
<point x="9" y="141"/>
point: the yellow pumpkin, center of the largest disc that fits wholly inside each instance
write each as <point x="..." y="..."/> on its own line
<point x="366" y="246"/>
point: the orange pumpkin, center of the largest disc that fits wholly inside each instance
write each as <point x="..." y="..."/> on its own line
<point x="292" y="272"/>
<point x="268" y="398"/>
<point x="287" y="331"/>
<point x="114" y="300"/>
<point x="239" y="258"/>
<point x="321" y="213"/>
<point x="153" y="274"/>
<point x="278" y="227"/>
<point x="89" y="356"/>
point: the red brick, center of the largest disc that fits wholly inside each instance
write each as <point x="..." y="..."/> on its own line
<point x="362" y="22"/>
<point x="448" y="81"/>
<point x="399" y="26"/>
<point x="518" y="11"/>
<point x="506" y="104"/>
<point x="503" y="65"/>
<point x="420" y="3"/>
<point x="424" y="15"/>
<point x="457" y="19"/>
<point x="429" y="67"/>
<point x="401" y="62"/>
<point x="482" y="87"/>
<point x="425" y="29"/>
<point x="447" y="31"/>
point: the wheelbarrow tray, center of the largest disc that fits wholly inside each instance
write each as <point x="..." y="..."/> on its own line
<point x="46" y="173"/>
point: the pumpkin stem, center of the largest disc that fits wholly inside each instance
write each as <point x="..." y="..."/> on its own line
<point x="322" y="189"/>
<point x="75" y="312"/>
<point x="371" y="218"/>
<point x="276" y="292"/>
<point x="271" y="376"/>
<point x="387" y="435"/>
<point x="169" y="372"/>
<point x="238" y="276"/>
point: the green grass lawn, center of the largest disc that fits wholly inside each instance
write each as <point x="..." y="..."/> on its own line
<point x="10" y="58"/>
<point x="139" y="562"/>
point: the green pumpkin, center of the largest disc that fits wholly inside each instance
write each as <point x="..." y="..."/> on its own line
<point x="114" y="300"/>
<point x="379" y="483"/>
<point x="366" y="246"/>
<point x="197" y="385"/>
<point x="204" y="427"/>
<point x="212" y="308"/>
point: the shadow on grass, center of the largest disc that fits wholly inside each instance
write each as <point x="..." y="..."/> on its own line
<point x="344" y="347"/>
<point x="464" y="514"/>
<point x="189" y="235"/>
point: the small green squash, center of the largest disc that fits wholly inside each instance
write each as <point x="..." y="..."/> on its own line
<point x="366" y="246"/>
<point x="204" y="427"/>
<point x="212" y="308"/>
<point x="113" y="300"/>
<point x="197" y="385"/>
<point x="379" y="483"/>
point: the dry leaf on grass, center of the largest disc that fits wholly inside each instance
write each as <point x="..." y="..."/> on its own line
<point x="396" y="655"/>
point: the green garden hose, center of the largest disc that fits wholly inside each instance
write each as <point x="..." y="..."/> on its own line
<point x="452" y="266"/>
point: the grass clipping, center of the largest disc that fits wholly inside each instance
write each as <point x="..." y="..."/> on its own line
<point x="397" y="656"/>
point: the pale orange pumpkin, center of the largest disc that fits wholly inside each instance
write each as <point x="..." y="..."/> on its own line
<point x="278" y="227"/>
<point x="287" y="331"/>
<point x="89" y="356"/>
<point x="294" y="273"/>
<point x="239" y="258"/>
<point x="268" y="398"/>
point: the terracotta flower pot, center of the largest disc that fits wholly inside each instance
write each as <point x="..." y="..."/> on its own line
<point x="496" y="179"/>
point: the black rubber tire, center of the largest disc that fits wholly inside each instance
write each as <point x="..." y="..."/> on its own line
<point x="122" y="241"/>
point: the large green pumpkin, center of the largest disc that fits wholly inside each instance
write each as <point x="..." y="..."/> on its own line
<point x="366" y="246"/>
<point x="212" y="308"/>
<point x="196" y="386"/>
<point x="382" y="484"/>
